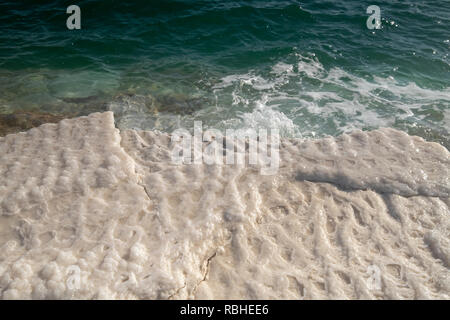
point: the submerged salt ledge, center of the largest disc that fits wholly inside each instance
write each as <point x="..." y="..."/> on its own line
<point x="80" y="195"/>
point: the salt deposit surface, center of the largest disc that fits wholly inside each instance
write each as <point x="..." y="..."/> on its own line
<point x="88" y="212"/>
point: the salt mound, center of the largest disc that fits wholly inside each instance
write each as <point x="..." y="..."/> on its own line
<point x="88" y="212"/>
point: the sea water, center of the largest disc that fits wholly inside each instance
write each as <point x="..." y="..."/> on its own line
<point x="307" y="68"/>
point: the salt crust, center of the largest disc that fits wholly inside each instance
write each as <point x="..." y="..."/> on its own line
<point x="80" y="195"/>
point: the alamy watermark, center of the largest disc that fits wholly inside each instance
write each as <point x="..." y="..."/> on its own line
<point x="374" y="20"/>
<point x="236" y="147"/>
<point x="74" y="20"/>
<point x="73" y="281"/>
<point x="374" y="281"/>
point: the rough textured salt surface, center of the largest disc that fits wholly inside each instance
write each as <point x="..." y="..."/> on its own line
<point x="80" y="195"/>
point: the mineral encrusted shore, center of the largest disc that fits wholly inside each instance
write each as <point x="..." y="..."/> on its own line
<point x="89" y="212"/>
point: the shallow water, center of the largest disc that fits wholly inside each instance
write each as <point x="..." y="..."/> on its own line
<point x="309" y="68"/>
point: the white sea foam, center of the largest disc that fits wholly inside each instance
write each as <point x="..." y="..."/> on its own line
<point x="264" y="117"/>
<point x="87" y="211"/>
<point x="342" y="98"/>
<point x="303" y="98"/>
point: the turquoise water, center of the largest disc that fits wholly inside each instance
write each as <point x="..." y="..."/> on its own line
<point x="309" y="68"/>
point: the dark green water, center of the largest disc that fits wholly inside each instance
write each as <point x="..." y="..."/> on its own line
<point x="310" y="68"/>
